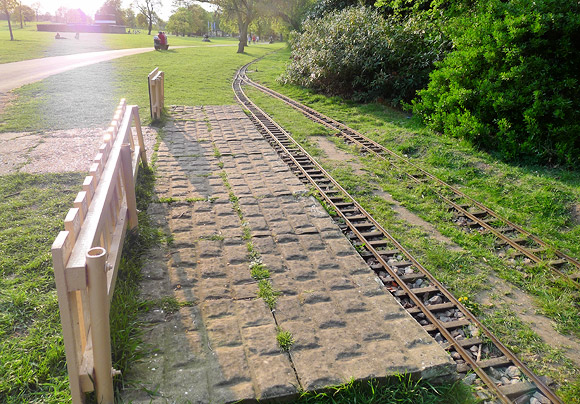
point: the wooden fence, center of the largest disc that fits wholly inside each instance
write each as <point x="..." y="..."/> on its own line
<point x="86" y="255"/>
<point x="156" y="80"/>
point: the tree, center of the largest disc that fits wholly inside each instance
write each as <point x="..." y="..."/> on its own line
<point x="7" y="7"/>
<point x="129" y="17"/>
<point x="20" y="13"/>
<point x="113" y="7"/>
<point x="290" y="12"/>
<point x="25" y="14"/>
<point x="241" y="11"/>
<point x="60" y="14"/>
<point x="200" y="18"/>
<point x="180" y="22"/>
<point x="141" y="21"/>
<point x="147" y="8"/>
<point x="36" y="7"/>
<point x="76" y="16"/>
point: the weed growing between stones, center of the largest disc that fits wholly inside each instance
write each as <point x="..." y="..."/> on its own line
<point x="267" y="292"/>
<point x="285" y="339"/>
<point x="168" y="200"/>
<point x="265" y="289"/>
<point x="202" y="199"/>
<point x="258" y="271"/>
<point x="213" y="237"/>
<point x="168" y="304"/>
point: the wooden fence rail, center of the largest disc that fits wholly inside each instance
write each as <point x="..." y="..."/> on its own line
<point x="156" y="80"/>
<point x="86" y="255"/>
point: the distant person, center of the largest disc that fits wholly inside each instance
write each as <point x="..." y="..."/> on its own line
<point x="162" y="38"/>
<point x="57" y="36"/>
<point x="77" y="35"/>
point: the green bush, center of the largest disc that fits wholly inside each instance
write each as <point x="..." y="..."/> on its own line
<point x="358" y="54"/>
<point x="512" y="82"/>
<point x="322" y="7"/>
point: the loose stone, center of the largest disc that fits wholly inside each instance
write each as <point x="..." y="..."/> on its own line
<point x="469" y="379"/>
<point x="513" y="371"/>
<point x="435" y="300"/>
<point x="540" y="398"/>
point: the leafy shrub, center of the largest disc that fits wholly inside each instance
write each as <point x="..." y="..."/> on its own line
<point x="512" y="82"/>
<point x="357" y="53"/>
<point x="323" y="7"/>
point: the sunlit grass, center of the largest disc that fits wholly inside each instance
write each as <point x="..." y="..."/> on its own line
<point x="31" y="44"/>
<point x="32" y="209"/>
<point x="87" y="96"/>
<point x="397" y="389"/>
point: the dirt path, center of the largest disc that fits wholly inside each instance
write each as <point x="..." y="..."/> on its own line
<point x="57" y="151"/>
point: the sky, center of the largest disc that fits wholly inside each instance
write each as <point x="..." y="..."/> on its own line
<point x="90" y="6"/>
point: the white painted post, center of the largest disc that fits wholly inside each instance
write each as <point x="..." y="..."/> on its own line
<point x="100" y="330"/>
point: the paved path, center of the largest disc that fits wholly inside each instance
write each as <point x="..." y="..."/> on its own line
<point x="221" y="346"/>
<point x="17" y="74"/>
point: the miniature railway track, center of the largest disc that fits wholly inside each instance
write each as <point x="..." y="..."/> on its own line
<point x="511" y="239"/>
<point x="468" y="342"/>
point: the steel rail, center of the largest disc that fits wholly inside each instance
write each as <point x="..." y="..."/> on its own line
<point x="375" y="148"/>
<point x="267" y="125"/>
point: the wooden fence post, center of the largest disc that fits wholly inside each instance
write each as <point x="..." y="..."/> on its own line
<point x="100" y="329"/>
<point x="61" y="249"/>
<point x="129" y="182"/>
<point x="137" y="122"/>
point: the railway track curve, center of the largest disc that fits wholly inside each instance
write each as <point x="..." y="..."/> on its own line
<point x="445" y="318"/>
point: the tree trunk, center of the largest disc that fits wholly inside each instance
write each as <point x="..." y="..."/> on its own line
<point x="150" y="25"/>
<point x="20" y="9"/>
<point x="9" y="25"/>
<point x="243" y="28"/>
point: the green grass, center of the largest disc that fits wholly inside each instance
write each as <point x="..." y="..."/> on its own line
<point x="88" y="96"/>
<point x="32" y="44"/>
<point x="540" y="199"/>
<point x="397" y="389"/>
<point x="32" y="210"/>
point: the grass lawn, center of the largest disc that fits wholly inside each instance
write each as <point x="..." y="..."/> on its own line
<point x="31" y="44"/>
<point x="87" y="97"/>
<point x="31" y="348"/>
<point x="542" y="200"/>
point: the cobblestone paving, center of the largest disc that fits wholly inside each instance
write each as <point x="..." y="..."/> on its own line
<point x="220" y="346"/>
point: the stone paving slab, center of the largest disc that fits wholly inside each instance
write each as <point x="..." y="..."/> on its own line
<point x="220" y="346"/>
